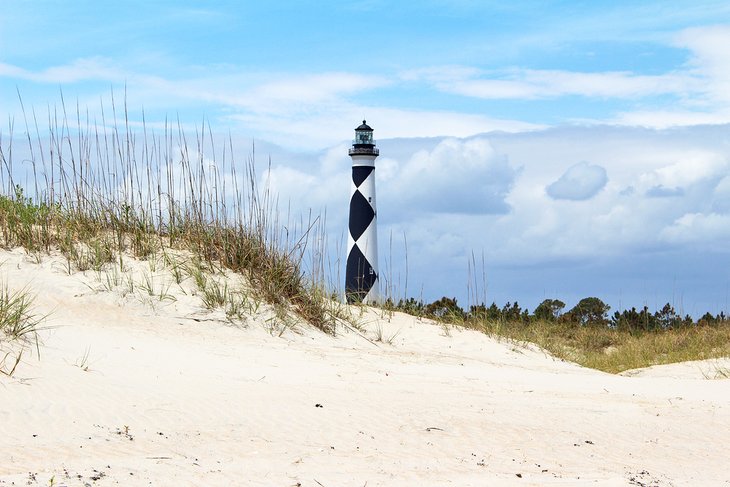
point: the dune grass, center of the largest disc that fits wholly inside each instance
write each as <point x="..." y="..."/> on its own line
<point x="17" y="319"/>
<point x="612" y="350"/>
<point x="613" y="345"/>
<point x="18" y="323"/>
<point x="98" y="192"/>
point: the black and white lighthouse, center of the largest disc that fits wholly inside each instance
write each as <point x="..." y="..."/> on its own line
<point x="361" y="275"/>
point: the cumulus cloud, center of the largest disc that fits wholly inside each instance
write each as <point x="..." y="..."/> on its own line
<point x="457" y="176"/>
<point x="695" y="172"/>
<point x="580" y="182"/>
<point x="708" y="229"/>
<point x="622" y="218"/>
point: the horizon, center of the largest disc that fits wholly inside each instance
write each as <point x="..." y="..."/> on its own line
<point x="583" y="150"/>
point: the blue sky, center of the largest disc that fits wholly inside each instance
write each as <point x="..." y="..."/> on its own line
<point x="581" y="147"/>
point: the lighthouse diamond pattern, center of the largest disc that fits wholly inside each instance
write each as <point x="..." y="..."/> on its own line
<point x="361" y="273"/>
<point x="362" y="215"/>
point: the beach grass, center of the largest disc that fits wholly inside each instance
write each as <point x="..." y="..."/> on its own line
<point x="613" y="350"/>
<point x="99" y="192"/>
<point x="19" y="323"/>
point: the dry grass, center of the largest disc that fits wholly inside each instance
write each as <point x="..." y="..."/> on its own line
<point x="99" y="192"/>
<point x="612" y="350"/>
<point x="18" y="324"/>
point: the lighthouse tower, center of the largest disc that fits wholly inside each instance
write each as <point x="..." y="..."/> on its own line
<point x="361" y="275"/>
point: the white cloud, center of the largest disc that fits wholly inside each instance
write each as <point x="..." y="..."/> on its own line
<point x="84" y="69"/>
<point x="10" y="71"/>
<point x="662" y="119"/>
<point x="579" y="182"/>
<point x="700" y="88"/>
<point x="313" y="126"/>
<point x="518" y="83"/>
<point x="706" y="97"/>
<point x="710" y="59"/>
<point x="695" y="169"/>
<point x="706" y="230"/>
<point x="457" y="176"/>
<point x="297" y="110"/>
<point x="292" y="95"/>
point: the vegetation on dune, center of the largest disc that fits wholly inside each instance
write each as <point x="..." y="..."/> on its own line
<point x="100" y="192"/>
<point x="587" y="335"/>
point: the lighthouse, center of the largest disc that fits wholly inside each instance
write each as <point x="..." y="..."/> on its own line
<point x="361" y="275"/>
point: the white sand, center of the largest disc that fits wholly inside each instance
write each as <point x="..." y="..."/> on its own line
<point x="163" y="399"/>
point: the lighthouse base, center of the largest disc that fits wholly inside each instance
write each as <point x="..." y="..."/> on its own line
<point x="361" y="285"/>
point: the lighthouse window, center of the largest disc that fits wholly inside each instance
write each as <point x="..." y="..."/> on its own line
<point x="370" y="199"/>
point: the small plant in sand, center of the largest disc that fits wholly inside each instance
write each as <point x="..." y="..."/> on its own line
<point x="83" y="362"/>
<point x="716" y="372"/>
<point x="280" y="322"/>
<point x="722" y="373"/>
<point x="17" y="320"/>
<point x="156" y="287"/>
<point x="382" y="337"/>
<point x="18" y="325"/>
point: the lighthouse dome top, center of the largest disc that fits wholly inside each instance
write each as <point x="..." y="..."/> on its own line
<point x="364" y="127"/>
<point x="364" y="144"/>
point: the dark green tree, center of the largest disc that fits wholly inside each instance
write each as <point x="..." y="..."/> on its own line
<point x="494" y="313"/>
<point x="633" y="321"/>
<point x="477" y="312"/>
<point x="667" y="318"/>
<point x="480" y="312"/>
<point x="590" y="311"/>
<point x="445" y="309"/>
<point x="512" y="312"/>
<point x="411" y="306"/>
<point x="711" y="320"/>
<point x="549" y="310"/>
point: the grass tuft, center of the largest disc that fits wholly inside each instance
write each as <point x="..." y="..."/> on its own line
<point x="18" y="323"/>
<point x="17" y="319"/>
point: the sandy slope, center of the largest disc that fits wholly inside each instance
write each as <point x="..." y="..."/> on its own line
<point x="168" y="400"/>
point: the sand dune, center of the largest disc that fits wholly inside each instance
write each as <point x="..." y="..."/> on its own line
<point x="135" y="392"/>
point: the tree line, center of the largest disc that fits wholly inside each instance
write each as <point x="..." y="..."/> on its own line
<point x="590" y="311"/>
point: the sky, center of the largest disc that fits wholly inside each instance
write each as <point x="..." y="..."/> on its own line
<point x="529" y="149"/>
